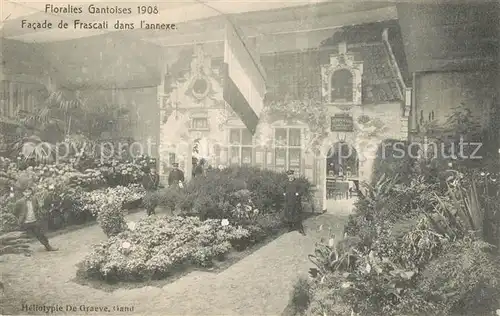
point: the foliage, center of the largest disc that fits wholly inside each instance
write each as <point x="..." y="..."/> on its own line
<point x="156" y="248"/>
<point x="97" y="200"/>
<point x="464" y="280"/>
<point x="67" y="111"/>
<point x="229" y="193"/>
<point x="111" y="218"/>
<point x="68" y="195"/>
<point x="14" y="243"/>
<point x="299" y="299"/>
<point x="413" y="249"/>
<point x="311" y="112"/>
<point x="394" y="159"/>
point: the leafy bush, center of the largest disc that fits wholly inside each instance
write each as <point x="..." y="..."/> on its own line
<point x="412" y="249"/>
<point x="111" y="218"/>
<point x="157" y="247"/>
<point x="107" y="205"/>
<point x="464" y="280"/>
<point x="299" y="299"/>
<point x="218" y="194"/>
<point x="393" y="159"/>
<point x="8" y="222"/>
<point x="97" y="200"/>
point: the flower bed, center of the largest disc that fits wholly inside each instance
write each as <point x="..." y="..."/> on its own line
<point x="218" y="194"/>
<point x="155" y="248"/>
<point x="412" y="249"/>
<point x="96" y="200"/>
<point x="227" y="210"/>
<point x="68" y="192"/>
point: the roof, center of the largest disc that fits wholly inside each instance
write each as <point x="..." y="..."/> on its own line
<point x="372" y="33"/>
<point x="296" y="74"/>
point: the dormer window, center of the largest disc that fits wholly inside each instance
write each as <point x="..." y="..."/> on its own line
<point x="341" y="78"/>
<point x="341" y="84"/>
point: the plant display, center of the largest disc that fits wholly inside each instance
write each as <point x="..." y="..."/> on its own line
<point x="218" y="194"/>
<point x="223" y="211"/>
<point x="413" y="248"/>
<point x="69" y="193"/>
<point x="156" y="248"/>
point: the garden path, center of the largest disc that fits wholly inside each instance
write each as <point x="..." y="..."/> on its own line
<point x="259" y="284"/>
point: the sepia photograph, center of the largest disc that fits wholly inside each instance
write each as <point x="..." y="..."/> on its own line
<point x="250" y="157"/>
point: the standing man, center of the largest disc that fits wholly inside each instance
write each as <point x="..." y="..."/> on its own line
<point x="151" y="182"/>
<point x="198" y="170"/>
<point x="176" y="176"/>
<point x="194" y="163"/>
<point x="293" y="204"/>
<point x="27" y="211"/>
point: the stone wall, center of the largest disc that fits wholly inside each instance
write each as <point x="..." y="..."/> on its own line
<point x="437" y="94"/>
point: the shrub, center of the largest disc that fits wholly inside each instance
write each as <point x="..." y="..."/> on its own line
<point x="107" y="205"/>
<point x="299" y="299"/>
<point x="393" y="159"/>
<point x="111" y="219"/>
<point x="464" y="280"/>
<point x="218" y="193"/>
<point x="416" y="254"/>
<point x="97" y="200"/>
<point x="158" y="247"/>
<point x="8" y="222"/>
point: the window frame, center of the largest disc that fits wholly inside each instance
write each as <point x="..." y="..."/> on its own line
<point x="195" y="128"/>
<point x="240" y="146"/>
<point x="287" y="147"/>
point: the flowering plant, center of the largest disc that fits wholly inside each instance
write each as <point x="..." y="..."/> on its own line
<point x="97" y="200"/>
<point x="155" y="248"/>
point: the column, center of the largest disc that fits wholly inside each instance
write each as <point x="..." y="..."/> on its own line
<point x="160" y="92"/>
<point x="322" y="173"/>
<point x="10" y="108"/>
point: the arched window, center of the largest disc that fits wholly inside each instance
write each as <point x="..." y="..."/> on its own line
<point x="341" y="86"/>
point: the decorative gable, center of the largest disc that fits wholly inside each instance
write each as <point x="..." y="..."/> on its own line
<point x="341" y="79"/>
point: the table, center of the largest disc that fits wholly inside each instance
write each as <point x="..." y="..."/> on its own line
<point x="337" y="189"/>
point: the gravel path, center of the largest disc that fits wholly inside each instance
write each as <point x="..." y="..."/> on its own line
<point x="259" y="284"/>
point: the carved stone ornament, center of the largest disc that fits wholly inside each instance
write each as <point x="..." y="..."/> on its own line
<point x="201" y="70"/>
<point x="341" y="80"/>
<point x="200" y="87"/>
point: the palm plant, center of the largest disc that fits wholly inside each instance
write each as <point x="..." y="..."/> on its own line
<point x="334" y="256"/>
<point x="459" y="211"/>
<point x="77" y="119"/>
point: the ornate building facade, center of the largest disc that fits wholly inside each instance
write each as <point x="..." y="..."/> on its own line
<point x="327" y="108"/>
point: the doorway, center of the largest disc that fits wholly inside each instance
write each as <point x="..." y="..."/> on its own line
<point x="342" y="171"/>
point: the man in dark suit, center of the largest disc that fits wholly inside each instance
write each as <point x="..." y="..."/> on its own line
<point x="151" y="182"/>
<point x="198" y="169"/>
<point x="293" y="204"/>
<point x="175" y="176"/>
<point x="27" y="211"/>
